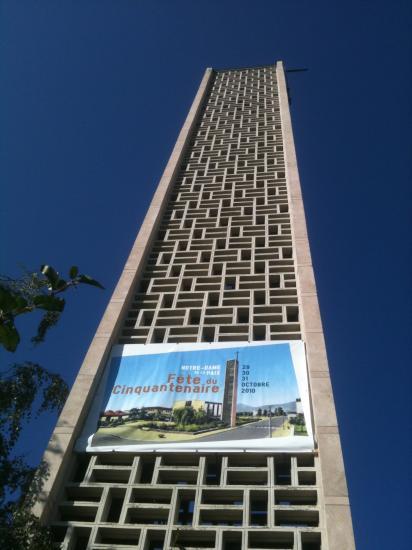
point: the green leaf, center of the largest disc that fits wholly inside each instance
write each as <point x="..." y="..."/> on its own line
<point x="49" y="303"/>
<point x="21" y="302"/>
<point x="9" y="336"/>
<point x="89" y="281"/>
<point x="49" y="320"/>
<point x="61" y="283"/>
<point x="8" y="300"/>
<point x="51" y="274"/>
<point x="74" y="271"/>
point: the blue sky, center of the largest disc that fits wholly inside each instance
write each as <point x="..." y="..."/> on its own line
<point x="92" y="96"/>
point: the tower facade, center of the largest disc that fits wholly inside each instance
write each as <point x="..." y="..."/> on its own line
<point x="222" y="257"/>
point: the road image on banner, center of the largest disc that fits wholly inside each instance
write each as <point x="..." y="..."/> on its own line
<point x="204" y="396"/>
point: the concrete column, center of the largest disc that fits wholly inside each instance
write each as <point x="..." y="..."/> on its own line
<point x="333" y="483"/>
<point x="59" y="451"/>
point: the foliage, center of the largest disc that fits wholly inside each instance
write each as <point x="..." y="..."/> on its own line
<point x="35" y="291"/>
<point x="26" y="390"/>
<point x="298" y="420"/>
<point x="184" y="415"/>
<point x="20" y="388"/>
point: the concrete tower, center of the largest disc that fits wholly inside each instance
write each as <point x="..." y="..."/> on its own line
<point x="222" y="256"/>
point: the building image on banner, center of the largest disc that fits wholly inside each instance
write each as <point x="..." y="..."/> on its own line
<point x="202" y="396"/>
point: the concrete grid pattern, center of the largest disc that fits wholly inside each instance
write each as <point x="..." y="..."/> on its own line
<point x="219" y="265"/>
<point x="221" y="268"/>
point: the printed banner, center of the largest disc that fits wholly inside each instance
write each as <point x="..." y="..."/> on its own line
<point x="203" y="397"/>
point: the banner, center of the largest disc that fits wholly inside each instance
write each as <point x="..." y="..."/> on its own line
<point x="202" y="397"/>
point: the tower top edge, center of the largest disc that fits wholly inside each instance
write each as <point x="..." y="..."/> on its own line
<point x="227" y="69"/>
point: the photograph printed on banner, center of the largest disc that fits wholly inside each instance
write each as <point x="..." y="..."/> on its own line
<point x="202" y="395"/>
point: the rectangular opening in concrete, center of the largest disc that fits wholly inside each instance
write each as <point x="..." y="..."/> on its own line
<point x="230" y="283"/>
<point x="296" y="498"/>
<point x="222" y="497"/>
<point x="180" y="459"/>
<point x="243" y="315"/>
<point x="193" y="539"/>
<point x="259" y="298"/>
<point x="149" y="496"/>
<point x="145" y="469"/>
<point x="271" y="540"/>
<point x="186" y="285"/>
<point x="148" y="516"/>
<point x="115" y="504"/>
<point x="247" y="459"/>
<point x="305" y="461"/>
<point x="118" y="537"/>
<point x="258" y="508"/>
<point x="213" y="299"/>
<point x="185" y="507"/>
<point x="274" y="281"/>
<point x="292" y="314"/>
<point x="307" y="478"/>
<point x="208" y="334"/>
<point x="114" y="459"/>
<point x="81" y="536"/>
<point x="231" y="540"/>
<point x="178" y="477"/>
<point x="213" y="470"/>
<point x="259" y="267"/>
<point x="297" y="518"/>
<point x="175" y="271"/>
<point x="155" y="540"/>
<point x="158" y="336"/>
<point x="70" y="511"/>
<point x="252" y="477"/>
<point x="221" y="516"/>
<point x="194" y="316"/>
<point x="311" y="541"/>
<point x="283" y="471"/>
<point x="111" y="475"/>
<point x="259" y="332"/>
<point x="167" y="301"/>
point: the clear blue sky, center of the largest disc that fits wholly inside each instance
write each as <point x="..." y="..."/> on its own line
<point x="92" y="96"/>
